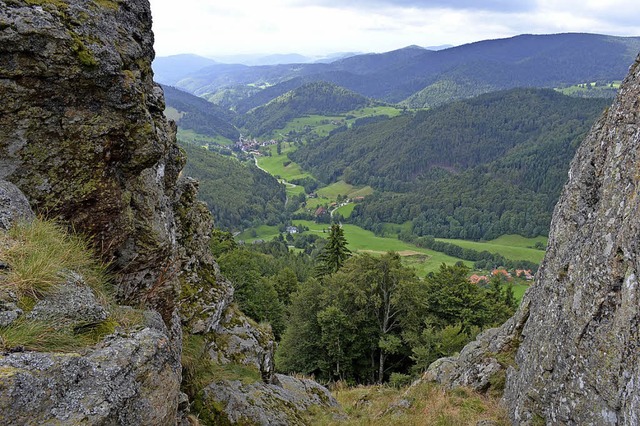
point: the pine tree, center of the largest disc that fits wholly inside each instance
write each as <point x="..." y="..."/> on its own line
<point x="335" y="252"/>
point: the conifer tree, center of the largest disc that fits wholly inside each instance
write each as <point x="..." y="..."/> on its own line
<point x="334" y="253"/>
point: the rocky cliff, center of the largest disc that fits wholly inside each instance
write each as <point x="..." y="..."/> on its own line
<point x="576" y="334"/>
<point x="83" y="136"/>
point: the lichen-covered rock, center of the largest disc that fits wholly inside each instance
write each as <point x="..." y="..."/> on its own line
<point x="579" y="360"/>
<point x="484" y="360"/>
<point x="72" y="301"/>
<point x="281" y="403"/>
<point x="13" y="205"/>
<point x="82" y="131"/>
<point x="577" y="331"/>
<point x="125" y="381"/>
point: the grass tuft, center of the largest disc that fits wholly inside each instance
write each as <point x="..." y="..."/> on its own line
<point x="40" y="253"/>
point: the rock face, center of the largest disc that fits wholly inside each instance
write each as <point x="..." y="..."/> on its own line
<point x="280" y="404"/>
<point x="577" y="331"/>
<point x="82" y="131"/>
<point x="84" y="138"/>
<point x="14" y="206"/>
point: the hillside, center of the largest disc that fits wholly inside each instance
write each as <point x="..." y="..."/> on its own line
<point x="427" y="78"/>
<point x="319" y="98"/>
<point x="171" y="69"/>
<point x="197" y="114"/>
<point x="473" y="169"/>
<point x="237" y="194"/>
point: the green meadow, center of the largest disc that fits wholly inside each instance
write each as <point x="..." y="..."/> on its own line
<point x="513" y="247"/>
<point x="363" y="241"/>
<point x="279" y="165"/>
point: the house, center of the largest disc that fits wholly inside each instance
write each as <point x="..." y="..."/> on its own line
<point x="478" y="279"/>
<point x="500" y="271"/>
<point x="320" y="211"/>
<point x="524" y="273"/>
<point x="292" y="230"/>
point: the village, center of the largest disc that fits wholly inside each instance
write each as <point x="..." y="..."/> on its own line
<point x="252" y="145"/>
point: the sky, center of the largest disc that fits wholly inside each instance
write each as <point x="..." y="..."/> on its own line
<point x="319" y="27"/>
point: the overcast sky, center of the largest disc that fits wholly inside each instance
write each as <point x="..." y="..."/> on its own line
<point x="316" y="27"/>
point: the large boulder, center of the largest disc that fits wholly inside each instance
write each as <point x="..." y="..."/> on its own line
<point x="127" y="380"/>
<point x="571" y="351"/>
<point x="14" y="206"/>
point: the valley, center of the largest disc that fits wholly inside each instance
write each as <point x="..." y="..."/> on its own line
<point x="331" y="198"/>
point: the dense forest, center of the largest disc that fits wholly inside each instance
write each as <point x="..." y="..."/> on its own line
<point x="238" y="194"/>
<point x="362" y="319"/>
<point x="473" y="169"/>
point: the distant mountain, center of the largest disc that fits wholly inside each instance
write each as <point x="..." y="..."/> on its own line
<point x="256" y="60"/>
<point x="320" y="98"/>
<point x="171" y="69"/>
<point x="199" y="115"/>
<point x="237" y="194"/>
<point x="457" y="72"/>
<point x="477" y="168"/>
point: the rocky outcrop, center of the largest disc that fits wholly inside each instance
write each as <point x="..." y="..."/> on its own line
<point x="125" y="381"/>
<point x="83" y="136"/>
<point x="82" y="131"/>
<point x="577" y="360"/>
<point x="282" y="403"/>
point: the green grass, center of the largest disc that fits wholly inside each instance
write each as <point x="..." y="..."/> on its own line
<point x="345" y="211"/>
<point x="519" y="241"/>
<point x="510" y="246"/>
<point x="321" y="125"/>
<point x="275" y="164"/>
<point x="190" y="136"/>
<point x="40" y="256"/>
<point x="582" y="89"/>
<point x="338" y="188"/>
<point x="262" y="232"/>
<point x="39" y="252"/>
<point x="361" y="240"/>
<point x="318" y="124"/>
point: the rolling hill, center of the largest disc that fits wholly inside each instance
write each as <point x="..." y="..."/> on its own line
<point x="318" y="98"/>
<point x="202" y="117"/>
<point x="238" y="194"/>
<point x="472" y="169"/>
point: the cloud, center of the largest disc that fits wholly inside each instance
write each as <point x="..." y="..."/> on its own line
<point x="323" y="26"/>
<point x="505" y="6"/>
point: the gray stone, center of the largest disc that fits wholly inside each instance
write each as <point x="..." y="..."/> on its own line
<point x="126" y="381"/>
<point x="9" y="312"/>
<point x="72" y="301"/>
<point x="577" y="331"/>
<point x="281" y="403"/>
<point x="14" y="206"/>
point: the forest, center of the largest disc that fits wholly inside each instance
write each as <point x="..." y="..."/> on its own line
<point x="357" y="318"/>
<point x="473" y="169"/>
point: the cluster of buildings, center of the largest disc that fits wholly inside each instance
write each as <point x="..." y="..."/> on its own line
<point x="483" y="279"/>
<point x="252" y="145"/>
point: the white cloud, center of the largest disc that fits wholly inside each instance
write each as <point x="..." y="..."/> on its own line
<point x="323" y="26"/>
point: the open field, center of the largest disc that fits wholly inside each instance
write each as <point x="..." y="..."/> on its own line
<point x="190" y="136"/>
<point x="361" y="240"/>
<point x="275" y="164"/>
<point x="345" y="211"/>
<point x="590" y="89"/>
<point x="321" y="125"/>
<point x="513" y="247"/>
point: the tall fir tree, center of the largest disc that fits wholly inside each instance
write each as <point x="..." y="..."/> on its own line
<point x="334" y="253"/>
